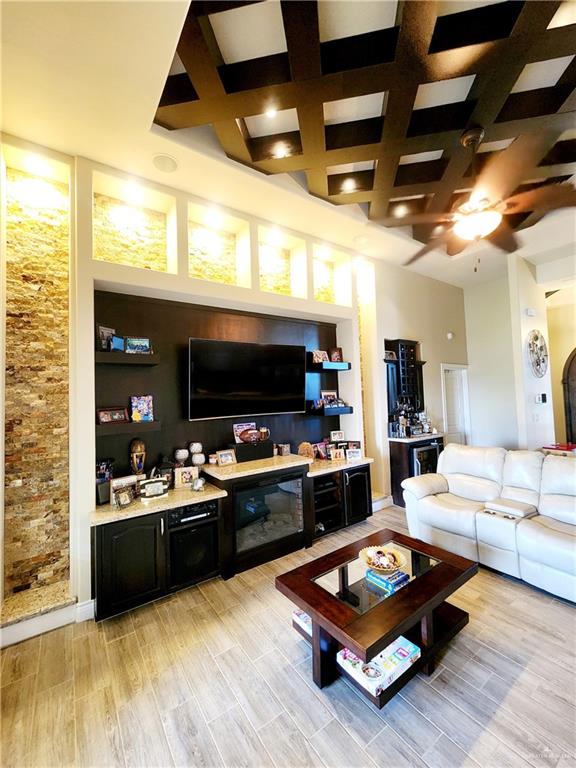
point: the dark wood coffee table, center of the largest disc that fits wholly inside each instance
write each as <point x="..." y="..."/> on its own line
<point x="346" y="610"/>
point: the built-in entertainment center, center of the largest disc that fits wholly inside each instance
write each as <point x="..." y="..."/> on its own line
<point x="209" y="369"/>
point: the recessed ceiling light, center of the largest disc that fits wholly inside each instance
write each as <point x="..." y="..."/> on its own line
<point x="281" y="150"/>
<point x="400" y="211"/>
<point x="348" y="185"/>
<point x="165" y="163"/>
<point x="270" y="113"/>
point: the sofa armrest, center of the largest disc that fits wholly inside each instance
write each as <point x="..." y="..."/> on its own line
<point x="425" y="485"/>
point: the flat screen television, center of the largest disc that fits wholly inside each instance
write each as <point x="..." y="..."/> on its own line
<point x="231" y="378"/>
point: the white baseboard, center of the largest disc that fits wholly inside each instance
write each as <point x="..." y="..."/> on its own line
<point x="85" y="610"/>
<point x="381" y="503"/>
<point x="37" y="625"/>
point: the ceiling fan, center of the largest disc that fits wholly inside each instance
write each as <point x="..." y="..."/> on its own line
<point x="481" y="214"/>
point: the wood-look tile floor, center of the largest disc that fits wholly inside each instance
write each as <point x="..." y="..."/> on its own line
<point x="216" y="676"/>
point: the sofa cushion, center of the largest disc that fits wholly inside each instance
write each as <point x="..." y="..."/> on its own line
<point x="470" y="460"/>
<point x="473" y="488"/>
<point x="558" y="489"/>
<point x="452" y="513"/>
<point x="425" y="485"/>
<point x="521" y="476"/>
<point x="548" y="541"/>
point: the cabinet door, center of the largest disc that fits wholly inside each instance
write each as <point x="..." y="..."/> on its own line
<point x="130" y="564"/>
<point x="358" y="494"/>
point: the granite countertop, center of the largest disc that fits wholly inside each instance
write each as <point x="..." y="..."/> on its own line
<point x="327" y="466"/>
<point x="108" y="513"/>
<point x="258" y="467"/>
<point x="414" y="439"/>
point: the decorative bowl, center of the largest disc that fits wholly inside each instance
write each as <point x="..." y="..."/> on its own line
<point x="382" y="558"/>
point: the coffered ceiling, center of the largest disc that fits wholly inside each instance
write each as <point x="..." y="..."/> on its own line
<point x="367" y="100"/>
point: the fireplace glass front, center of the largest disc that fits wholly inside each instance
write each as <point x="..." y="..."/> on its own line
<point x="268" y="510"/>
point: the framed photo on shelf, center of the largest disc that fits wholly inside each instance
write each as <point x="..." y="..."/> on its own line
<point x="329" y="396"/>
<point x="142" y="408"/>
<point x="336" y="435"/>
<point x="185" y="476"/>
<point x="103" y="337"/>
<point x="353" y="454"/>
<point x="337" y="454"/>
<point x="335" y="355"/>
<point x="226" y="457"/>
<point x="117" y="344"/>
<point x="389" y="354"/>
<point x="117" y="415"/>
<point x="320" y="356"/>
<point x="239" y="428"/>
<point x="138" y="346"/>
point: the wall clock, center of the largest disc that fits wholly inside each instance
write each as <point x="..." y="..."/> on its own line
<point x="537" y="353"/>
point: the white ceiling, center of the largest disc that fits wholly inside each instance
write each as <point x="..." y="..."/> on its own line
<point x="234" y="31"/>
<point x="84" y="78"/>
<point x="541" y="74"/>
<point x="266" y="125"/>
<point x="443" y="92"/>
<point x="337" y="19"/>
<point x="355" y="108"/>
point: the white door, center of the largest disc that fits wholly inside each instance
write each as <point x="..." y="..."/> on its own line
<point x="455" y="403"/>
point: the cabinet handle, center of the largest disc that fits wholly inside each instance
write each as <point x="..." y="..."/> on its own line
<point x="347" y="479"/>
<point x="162" y="526"/>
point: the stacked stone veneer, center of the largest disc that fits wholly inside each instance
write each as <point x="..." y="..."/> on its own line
<point x="278" y="278"/>
<point x="137" y="239"/>
<point x="324" y="281"/>
<point x="217" y="263"/>
<point x="36" y="516"/>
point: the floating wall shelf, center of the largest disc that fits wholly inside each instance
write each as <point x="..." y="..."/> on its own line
<point x="127" y="427"/>
<point x="327" y="366"/>
<point x="123" y="358"/>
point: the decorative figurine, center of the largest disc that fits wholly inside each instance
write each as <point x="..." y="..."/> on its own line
<point x="198" y="459"/>
<point x="198" y="484"/>
<point x="305" y="449"/>
<point x="181" y="456"/>
<point x="195" y="448"/>
<point x="137" y="455"/>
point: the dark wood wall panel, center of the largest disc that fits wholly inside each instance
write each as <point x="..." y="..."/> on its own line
<point x="169" y="325"/>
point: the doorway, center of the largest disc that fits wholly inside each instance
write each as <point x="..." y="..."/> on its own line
<point x="569" y="389"/>
<point x="455" y="403"/>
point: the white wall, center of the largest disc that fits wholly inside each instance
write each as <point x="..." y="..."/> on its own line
<point x="562" y="332"/>
<point x="411" y="306"/>
<point x="491" y="370"/>
<point x="535" y="420"/>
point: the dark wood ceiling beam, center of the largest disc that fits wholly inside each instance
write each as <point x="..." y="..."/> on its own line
<point x="417" y="27"/>
<point x="197" y="60"/>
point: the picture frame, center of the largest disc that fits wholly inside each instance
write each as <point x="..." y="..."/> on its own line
<point x="320" y="451"/>
<point x="320" y="356"/>
<point x="117" y="344"/>
<point x="123" y="497"/>
<point x="335" y="355"/>
<point x="354" y="444"/>
<point x="185" y="476"/>
<point x="353" y="454"/>
<point x="337" y="454"/>
<point x="142" y="408"/>
<point x="226" y="457"/>
<point x="389" y="355"/>
<point x="239" y="428"/>
<point x="137" y="346"/>
<point x="336" y="435"/>
<point x="103" y="336"/>
<point x="115" y="415"/>
<point x="329" y="396"/>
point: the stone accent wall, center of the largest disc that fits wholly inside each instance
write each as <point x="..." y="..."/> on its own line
<point x="36" y="522"/>
<point x="211" y="255"/>
<point x="275" y="270"/>
<point x="133" y="237"/>
<point x="323" y="272"/>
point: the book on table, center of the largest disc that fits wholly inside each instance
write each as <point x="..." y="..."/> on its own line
<point x="381" y="671"/>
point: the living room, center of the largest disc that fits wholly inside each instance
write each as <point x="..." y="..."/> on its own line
<point x="127" y="240"/>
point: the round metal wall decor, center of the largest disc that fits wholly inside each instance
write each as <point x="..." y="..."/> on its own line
<point x="537" y="353"/>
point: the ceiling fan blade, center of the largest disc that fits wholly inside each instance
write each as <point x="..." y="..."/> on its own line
<point x="542" y="199"/>
<point x="504" y="172"/>
<point x="416" y="218"/>
<point x="455" y="245"/>
<point x="504" y="238"/>
<point x="435" y="242"/>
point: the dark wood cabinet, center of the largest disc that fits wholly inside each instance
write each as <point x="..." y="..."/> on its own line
<point x="404" y="374"/>
<point x="357" y="494"/>
<point x="407" y="460"/>
<point x="130" y="559"/>
<point x="341" y="498"/>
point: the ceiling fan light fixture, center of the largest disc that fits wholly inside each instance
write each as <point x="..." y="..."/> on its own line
<point x="473" y="226"/>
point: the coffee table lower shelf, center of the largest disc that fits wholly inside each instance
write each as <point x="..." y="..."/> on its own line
<point x="448" y="621"/>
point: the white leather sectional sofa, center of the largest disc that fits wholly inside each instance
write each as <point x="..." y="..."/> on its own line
<point x="514" y="511"/>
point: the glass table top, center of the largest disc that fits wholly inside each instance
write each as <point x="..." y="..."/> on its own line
<point x="355" y="584"/>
